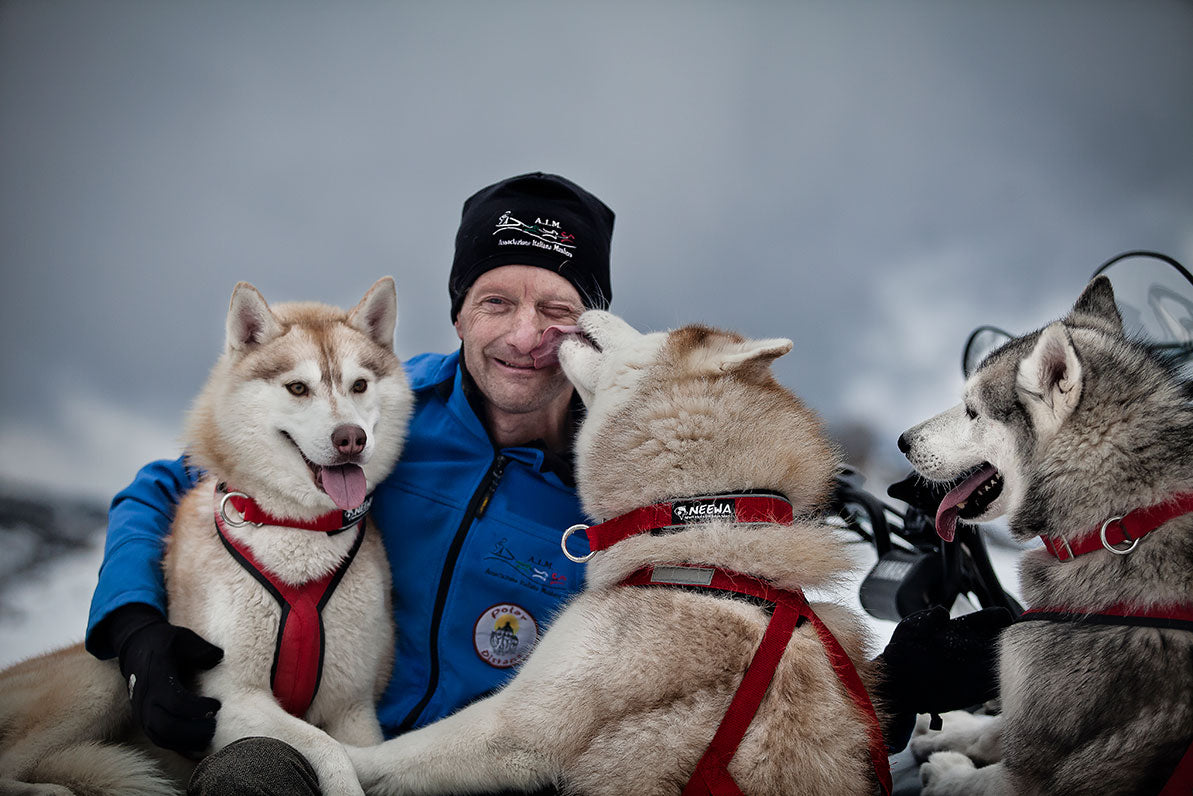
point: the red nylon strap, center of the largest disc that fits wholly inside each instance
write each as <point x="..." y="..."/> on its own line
<point x="1132" y="526"/>
<point x="298" y="656"/>
<point x="332" y="521"/>
<point x="712" y="771"/>
<point x="1180" y="612"/>
<point x="680" y="513"/>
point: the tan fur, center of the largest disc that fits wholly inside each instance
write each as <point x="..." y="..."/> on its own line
<point x="625" y="691"/>
<point x="64" y="717"/>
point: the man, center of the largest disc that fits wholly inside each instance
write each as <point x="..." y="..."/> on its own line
<point x="472" y="514"/>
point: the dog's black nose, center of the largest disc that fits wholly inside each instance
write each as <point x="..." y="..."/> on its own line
<point x="903" y="446"/>
<point x="349" y="439"/>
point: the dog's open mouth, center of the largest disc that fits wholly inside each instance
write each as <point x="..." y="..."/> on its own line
<point x="345" y="484"/>
<point x="546" y="353"/>
<point x="970" y="498"/>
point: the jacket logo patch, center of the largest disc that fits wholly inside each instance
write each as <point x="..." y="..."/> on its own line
<point x="528" y="570"/>
<point x="504" y="635"/>
<point x="544" y="233"/>
<point x="688" y="511"/>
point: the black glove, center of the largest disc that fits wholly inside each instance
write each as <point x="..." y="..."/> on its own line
<point x="934" y="664"/>
<point x="159" y="662"/>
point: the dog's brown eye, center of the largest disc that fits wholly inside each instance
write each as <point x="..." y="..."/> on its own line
<point x="297" y="388"/>
<point x="360" y="385"/>
<point x="971" y="413"/>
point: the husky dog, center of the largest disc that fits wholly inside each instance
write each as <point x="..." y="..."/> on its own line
<point x="624" y="692"/>
<point x="1075" y="432"/>
<point x="302" y="415"/>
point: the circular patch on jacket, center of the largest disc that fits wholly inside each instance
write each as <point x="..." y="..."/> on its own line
<point x="504" y="635"/>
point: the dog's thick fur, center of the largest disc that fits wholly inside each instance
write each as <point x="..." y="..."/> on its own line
<point x="1083" y="425"/>
<point x="624" y="692"/>
<point x="65" y="718"/>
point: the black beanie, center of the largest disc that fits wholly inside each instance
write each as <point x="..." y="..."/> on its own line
<point x="535" y="219"/>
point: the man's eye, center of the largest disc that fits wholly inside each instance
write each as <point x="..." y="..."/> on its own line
<point x="297" y="388"/>
<point x="559" y="312"/>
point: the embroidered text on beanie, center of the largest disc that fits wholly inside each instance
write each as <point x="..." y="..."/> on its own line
<point x="535" y="219"/>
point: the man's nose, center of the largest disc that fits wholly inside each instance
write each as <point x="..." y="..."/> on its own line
<point x="527" y="330"/>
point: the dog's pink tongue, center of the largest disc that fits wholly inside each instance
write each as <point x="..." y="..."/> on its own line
<point x="946" y="514"/>
<point x="344" y="484"/>
<point x="546" y="353"/>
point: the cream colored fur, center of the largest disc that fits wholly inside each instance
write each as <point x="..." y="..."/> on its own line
<point x="623" y="694"/>
<point x="64" y="717"/>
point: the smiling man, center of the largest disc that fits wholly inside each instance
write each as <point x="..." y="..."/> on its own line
<point x="471" y="516"/>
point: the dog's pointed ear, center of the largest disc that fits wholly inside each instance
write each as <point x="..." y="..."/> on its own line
<point x="377" y="313"/>
<point x="1050" y="378"/>
<point x="754" y="354"/>
<point x="250" y="321"/>
<point x="1096" y="307"/>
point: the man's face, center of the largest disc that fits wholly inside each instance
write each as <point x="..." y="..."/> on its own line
<point x="501" y="320"/>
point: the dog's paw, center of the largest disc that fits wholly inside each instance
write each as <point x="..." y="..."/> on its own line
<point x="973" y="736"/>
<point x="946" y="773"/>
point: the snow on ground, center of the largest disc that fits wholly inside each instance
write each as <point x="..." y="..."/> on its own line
<point x="50" y="610"/>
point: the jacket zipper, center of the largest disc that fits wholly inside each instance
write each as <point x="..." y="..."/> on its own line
<point x="476" y="509"/>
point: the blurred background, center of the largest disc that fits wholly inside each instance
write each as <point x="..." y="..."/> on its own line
<point x="871" y="179"/>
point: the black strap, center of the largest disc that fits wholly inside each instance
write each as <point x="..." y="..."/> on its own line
<point x="1108" y="619"/>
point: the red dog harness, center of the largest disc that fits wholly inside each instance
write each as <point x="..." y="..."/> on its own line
<point x="712" y="777"/>
<point x="298" y="653"/>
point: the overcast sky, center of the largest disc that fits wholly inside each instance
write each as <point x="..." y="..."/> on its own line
<point x="872" y="180"/>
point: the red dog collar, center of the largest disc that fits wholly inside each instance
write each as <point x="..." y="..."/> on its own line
<point x="678" y="514"/>
<point x="250" y="512"/>
<point x="1127" y="529"/>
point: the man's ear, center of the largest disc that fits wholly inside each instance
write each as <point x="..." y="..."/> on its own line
<point x="377" y="313"/>
<point x="1095" y="307"/>
<point x="250" y="321"/>
<point x="754" y="355"/>
<point x="1050" y="378"/>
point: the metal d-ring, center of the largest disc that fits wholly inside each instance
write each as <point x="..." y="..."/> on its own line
<point x="224" y="511"/>
<point x="564" y="543"/>
<point x="1119" y="551"/>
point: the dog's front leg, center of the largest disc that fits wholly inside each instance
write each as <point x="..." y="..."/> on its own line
<point x="253" y="712"/>
<point x="954" y="774"/>
<point x="357" y="725"/>
<point x="977" y="737"/>
<point x="472" y="751"/>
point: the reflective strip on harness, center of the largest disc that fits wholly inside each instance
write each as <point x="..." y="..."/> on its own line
<point x="712" y="775"/>
<point x="298" y="653"/>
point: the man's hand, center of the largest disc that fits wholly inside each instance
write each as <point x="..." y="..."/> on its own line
<point x="158" y="661"/>
<point x="934" y="664"/>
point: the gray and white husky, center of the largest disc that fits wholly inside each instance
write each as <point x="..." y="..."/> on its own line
<point x="623" y="694"/>
<point x="304" y="413"/>
<point x="1067" y="431"/>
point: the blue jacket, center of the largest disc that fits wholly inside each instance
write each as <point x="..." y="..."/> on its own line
<point x="472" y="534"/>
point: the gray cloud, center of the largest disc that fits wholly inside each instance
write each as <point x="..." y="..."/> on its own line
<point x="871" y="180"/>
